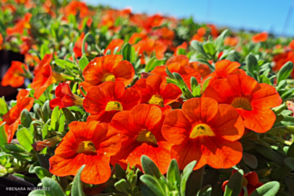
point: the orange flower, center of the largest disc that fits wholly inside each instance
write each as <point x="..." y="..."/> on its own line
<point x="107" y="68"/>
<point x="202" y="69"/>
<point x="250" y="181"/>
<point x="20" y="25"/>
<point x="213" y="30"/>
<point x="281" y="59"/>
<point x="148" y="46"/>
<point x="1" y="40"/>
<point x="14" y="75"/>
<point x="12" y="117"/>
<point x="261" y="37"/>
<point x="206" y="132"/>
<point x="140" y="131"/>
<point x="78" y="45"/>
<point x="231" y="41"/>
<point x="113" y="44"/>
<point x="88" y="143"/>
<point x="75" y="7"/>
<point x="252" y="100"/>
<point x="199" y="36"/>
<point x="65" y="98"/>
<point x="26" y="45"/>
<point x="103" y="101"/>
<point x="44" y="78"/>
<point x="225" y="68"/>
<point x="154" y="90"/>
<point x="137" y="37"/>
<point x="45" y="61"/>
<point x="185" y="71"/>
<point x="50" y="142"/>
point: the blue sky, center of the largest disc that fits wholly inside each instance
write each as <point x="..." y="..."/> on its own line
<point x="259" y="15"/>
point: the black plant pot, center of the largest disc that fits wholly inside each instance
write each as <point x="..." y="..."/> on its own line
<point x="6" y="57"/>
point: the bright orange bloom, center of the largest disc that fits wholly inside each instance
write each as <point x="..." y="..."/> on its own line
<point x="44" y="79"/>
<point x="140" y="131"/>
<point x="213" y="30"/>
<point x="113" y="44"/>
<point x="291" y="45"/>
<point x="204" y="131"/>
<point x="26" y="44"/>
<point x="199" y="36"/>
<point x="185" y="71"/>
<point x="88" y="143"/>
<point x="184" y="61"/>
<point x="65" y="98"/>
<point x="45" y="61"/>
<point x="75" y="7"/>
<point x="12" y="117"/>
<point x="20" y="25"/>
<point x="107" y="68"/>
<point x="137" y="37"/>
<point x="148" y="46"/>
<point x="252" y="100"/>
<point x="14" y="75"/>
<point x="225" y="68"/>
<point x="261" y="37"/>
<point x="281" y="59"/>
<point x="155" y="90"/>
<point x="78" y="45"/>
<point x="231" y="41"/>
<point x="250" y="181"/>
<point x="103" y="101"/>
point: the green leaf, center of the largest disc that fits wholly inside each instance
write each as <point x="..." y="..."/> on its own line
<point x="205" y="191"/>
<point x="252" y="64"/>
<point x="209" y="49"/>
<point x="3" y="107"/>
<point x="84" y="44"/>
<point x="183" y="86"/>
<point x="149" y="63"/>
<point x="51" y="187"/>
<point x="153" y="184"/>
<point x="55" y="117"/>
<point x="68" y="115"/>
<point x="25" y="138"/>
<point x="64" y="64"/>
<point x="119" y="172"/>
<point x="173" y="173"/>
<point x="42" y="172"/>
<point x="185" y="175"/>
<point x="250" y="160"/>
<point x="46" y="111"/>
<point x="44" y="50"/>
<point x="194" y="182"/>
<point x="199" y="48"/>
<point x="285" y="71"/>
<point x="234" y="185"/>
<point x="83" y="62"/>
<point x="25" y="118"/>
<point x="3" y="137"/>
<point x="289" y="161"/>
<point x="220" y="39"/>
<point x="38" y="192"/>
<point x="15" y="148"/>
<point x="205" y="84"/>
<point x="61" y="124"/>
<point x="268" y="189"/>
<point x="77" y="188"/>
<point x="149" y="167"/>
<point x="129" y="53"/>
<point x="122" y="186"/>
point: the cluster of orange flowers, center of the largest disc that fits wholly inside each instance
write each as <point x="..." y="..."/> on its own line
<point x="128" y="118"/>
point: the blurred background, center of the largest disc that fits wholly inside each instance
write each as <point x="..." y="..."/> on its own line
<point x="273" y="16"/>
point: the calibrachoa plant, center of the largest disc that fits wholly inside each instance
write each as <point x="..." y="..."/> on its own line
<point x="129" y="104"/>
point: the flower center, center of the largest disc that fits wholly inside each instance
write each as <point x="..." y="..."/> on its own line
<point x="86" y="147"/>
<point x="201" y="130"/>
<point x="241" y="102"/>
<point x="114" y="105"/>
<point x="146" y="136"/>
<point x="157" y="100"/>
<point x="109" y="77"/>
